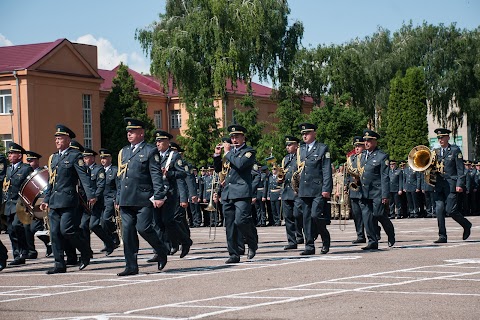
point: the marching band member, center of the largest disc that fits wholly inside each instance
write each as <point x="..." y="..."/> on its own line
<point x="356" y="195"/>
<point x="3" y="249"/>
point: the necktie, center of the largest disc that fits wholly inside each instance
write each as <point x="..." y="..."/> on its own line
<point x="443" y="152"/>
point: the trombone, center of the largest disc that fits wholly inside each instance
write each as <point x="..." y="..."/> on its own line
<point x="212" y="208"/>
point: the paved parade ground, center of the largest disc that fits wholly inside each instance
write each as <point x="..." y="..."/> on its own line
<point x="415" y="279"/>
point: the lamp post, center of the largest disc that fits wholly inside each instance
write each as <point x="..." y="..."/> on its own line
<point x="11" y="120"/>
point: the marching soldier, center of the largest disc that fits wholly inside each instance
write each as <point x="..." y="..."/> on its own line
<point x="314" y="189"/>
<point x="237" y="195"/>
<point x="375" y="191"/>
<point x="291" y="204"/>
<point x="194" y="201"/>
<point x="260" y="202"/>
<point x="476" y="191"/>
<point x="449" y="183"/>
<point x="273" y="195"/>
<point x="469" y="188"/>
<point x="140" y="190"/>
<point x="17" y="173"/>
<point x="395" y="175"/>
<point x="109" y="195"/>
<point x="37" y="227"/>
<point x="412" y="186"/>
<point x="173" y="169"/>
<point x="355" y="193"/>
<point x="3" y="249"/>
<point x="97" y="185"/>
<point x="66" y="168"/>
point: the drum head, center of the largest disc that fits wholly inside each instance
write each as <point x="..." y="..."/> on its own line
<point x="23" y="215"/>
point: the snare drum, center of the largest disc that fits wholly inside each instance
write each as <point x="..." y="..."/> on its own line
<point x="31" y="191"/>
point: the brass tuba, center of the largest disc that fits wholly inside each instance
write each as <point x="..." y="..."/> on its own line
<point x="356" y="173"/>
<point x="422" y="159"/>
<point x="280" y="170"/>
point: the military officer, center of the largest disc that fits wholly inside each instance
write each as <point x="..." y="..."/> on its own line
<point x="66" y="168"/>
<point x="97" y="185"/>
<point x="315" y="188"/>
<point x="395" y="175"/>
<point x="477" y="188"/>
<point x="17" y="173"/>
<point x="469" y="188"/>
<point x="194" y="201"/>
<point x="169" y="215"/>
<point x="291" y="204"/>
<point x="412" y="186"/>
<point x="450" y="181"/>
<point x="37" y="227"/>
<point x="273" y="195"/>
<point x="375" y="190"/>
<point x="238" y="160"/>
<point x="140" y="190"/>
<point x="260" y="202"/>
<point x="3" y="249"/>
<point x="354" y="190"/>
<point x="109" y="195"/>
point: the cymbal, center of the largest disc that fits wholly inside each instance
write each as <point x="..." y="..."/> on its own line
<point x="23" y="215"/>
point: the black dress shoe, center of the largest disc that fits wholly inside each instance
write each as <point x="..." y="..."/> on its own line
<point x="103" y="249"/>
<point x="162" y="262"/>
<point x="154" y="258"/>
<point x="290" y="246"/>
<point x="84" y="264"/>
<point x="17" y="262"/>
<point x="233" y="259"/>
<point x="173" y="250"/>
<point x="56" y="270"/>
<point x="109" y="251"/>
<point x="3" y="264"/>
<point x="127" y="272"/>
<point x="185" y="250"/>
<point x="440" y="240"/>
<point x="325" y="249"/>
<point x="307" y="252"/>
<point x="466" y="232"/>
<point x="251" y="253"/>
<point x="33" y="255"/>
<point x="371" y="246"/>
<point x="391" y="241"/>
<point x="49" y="251"/>
<point x="359" y="241"/>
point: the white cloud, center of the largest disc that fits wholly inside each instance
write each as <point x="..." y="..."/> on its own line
<point x="4" y="42"/>
<point x="109" y="57"/>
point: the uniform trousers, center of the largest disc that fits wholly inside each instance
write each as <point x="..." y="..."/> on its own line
<point x="16" y="232"/>
<point x="357" y="218"/>
<point x="447" y="202"/>
<point x="96" y="226"/>
<point x="260" y="207"/>
<point x="316" y="217"/>
<point x="395" y="203"/>
<point x="30" y="229"/>
<point x="275" y="205"/>
<point x="292" y="213"/>
<point x="412" y="202"/>
<point x="138" y="219"/>
<point x="238" y="218"/>
<point x="108" y="219"/>
<point x="196" y="213"/>
<point x="173" y="221"/>
<point x="373" y="211"/>
<point x="64" y="226"/>
<point x="430" y="203"/>
<point x="3" y="252"/>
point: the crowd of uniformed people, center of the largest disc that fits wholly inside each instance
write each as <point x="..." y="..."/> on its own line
<point x="157" y="194"/>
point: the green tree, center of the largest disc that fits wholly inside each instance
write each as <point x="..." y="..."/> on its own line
<point x="247" y="116"/>
<point x="200" y="44"/>
<point x="337" y="124"/>
<point x="123" y="101"/>
<point x="407" y="113"/>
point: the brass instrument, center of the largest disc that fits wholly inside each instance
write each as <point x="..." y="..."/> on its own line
<point x="118" y="223"/>
<point x="422" y="159"/>
<point x="280" y="170"/>
<point x="222" y="175"/>
<point x="356" y="173"/>
<point x="212" y="209"/>
<point x="296" y="175"/>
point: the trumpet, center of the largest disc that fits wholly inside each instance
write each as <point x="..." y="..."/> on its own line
<point x="118" y="223"/>
<point x="212" y="209"/>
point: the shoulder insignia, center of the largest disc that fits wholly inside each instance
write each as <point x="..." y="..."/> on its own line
<point x="179" y="162"/>
<point x="157" y="158"/>
<point x="255" y="167"/>
<point x="186" y="169"/>
<point x="386" y="162"/>
<point x="101" y="175"/>
<point x="2" y="166"/>
<point x="80" y="162"/>
<point x="460" y="155"/>
<point x="248" y="154"/>
<point x="327" y="155"/>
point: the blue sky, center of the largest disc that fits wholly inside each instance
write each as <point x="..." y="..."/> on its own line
<point x="111" y="24"/>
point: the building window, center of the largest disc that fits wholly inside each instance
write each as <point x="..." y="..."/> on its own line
<point x="176" y="119"/>
<point x="5" y="101"/>
<point x="87" y="120"/>
<point x="6" y="141"/>
<point x="157" y="118"/>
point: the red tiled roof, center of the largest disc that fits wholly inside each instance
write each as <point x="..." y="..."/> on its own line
<point x="145" y="84"/>
<point x="23" y="56"/>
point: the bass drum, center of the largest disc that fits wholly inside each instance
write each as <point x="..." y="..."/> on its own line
<point x="31" y="192"/>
